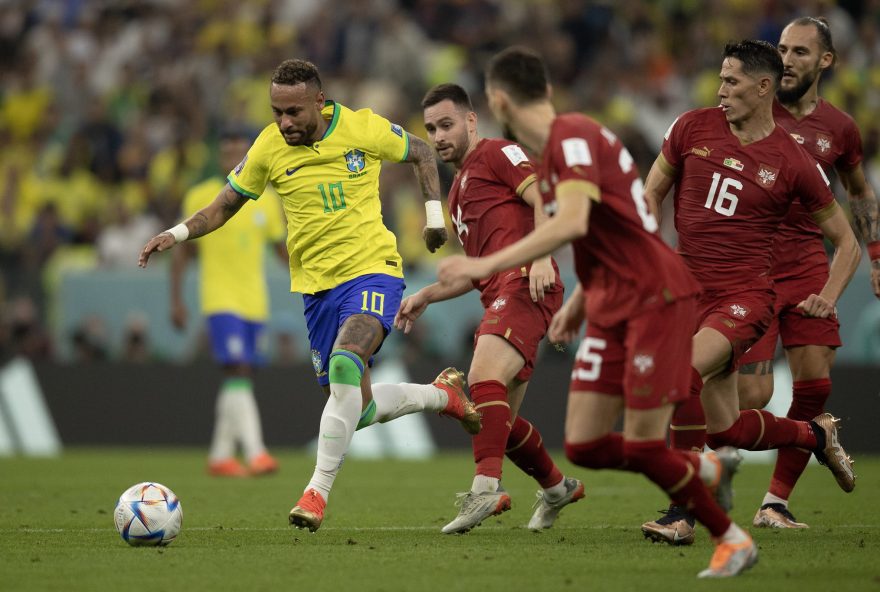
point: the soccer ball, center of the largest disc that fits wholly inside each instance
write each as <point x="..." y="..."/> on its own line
<point x="148" y="514"/>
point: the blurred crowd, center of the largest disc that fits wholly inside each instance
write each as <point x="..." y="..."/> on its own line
<point x="109" y="109"/>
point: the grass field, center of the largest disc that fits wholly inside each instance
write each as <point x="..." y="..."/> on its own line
<point x="382" y="531"/>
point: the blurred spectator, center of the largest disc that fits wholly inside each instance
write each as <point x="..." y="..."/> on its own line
<point x="25" y="332"/>
<point x="107" y="109"/>
<point x="121" y="240"/>
<point x="90" y="340"/>
<point x="136" y="340"/>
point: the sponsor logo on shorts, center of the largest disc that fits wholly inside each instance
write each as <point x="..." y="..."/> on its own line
<point x="739" y="311"/>
<point x="316" y="361"/>
<point x="499" y="304"/>
<point x="643" y="363"/>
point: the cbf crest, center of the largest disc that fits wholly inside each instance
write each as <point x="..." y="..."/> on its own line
<point x="316" y="361"/>
<point x="354" y="160"/>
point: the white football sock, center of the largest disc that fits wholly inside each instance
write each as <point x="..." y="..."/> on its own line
<point x="224" y="435"/>
<point x="734" y="534"/>
<point x="483" y="483"/>
<point x="555" y="492"/>
<point x="247" y="416"/>
<point x="396" y="400"/>
<point x="774" y="499"/>
<point x="338" y="422"/>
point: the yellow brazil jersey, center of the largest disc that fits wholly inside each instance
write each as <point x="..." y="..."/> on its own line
<point x="231" y="259"/>
<point x="330" y="194"/>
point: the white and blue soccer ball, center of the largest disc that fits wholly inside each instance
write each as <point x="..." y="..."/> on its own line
<point x="148" y="514"/>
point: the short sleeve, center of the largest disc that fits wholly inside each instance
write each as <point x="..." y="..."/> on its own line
<point x="511" y="166"/>
<point x="251" y="175"/>
<point x="673" y="141"/>
<point x="852" y="154"/>
<point x="813" y="186"/>
<point x="390" y="139"/>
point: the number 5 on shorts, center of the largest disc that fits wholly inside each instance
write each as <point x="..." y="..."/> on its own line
<point x="587" y="354"/>
<point x="376" y="301"/>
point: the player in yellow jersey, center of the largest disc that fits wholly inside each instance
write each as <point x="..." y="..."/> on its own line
<point x="234" y="300"/>
<point x="323" y="160"/>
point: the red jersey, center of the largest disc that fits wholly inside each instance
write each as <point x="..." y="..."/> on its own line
<point x="487" y="210"/>
<point x="730" y="198"/>
<point x="622" y="263"/>
<point x="832" y="138"/>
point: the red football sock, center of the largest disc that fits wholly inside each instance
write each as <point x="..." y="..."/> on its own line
<point x="490" y="398"/>
<point x="808" y="401"/>
<point x="756" y="429"/>
<point x="676" y="474"/>
<point x="603" y="453"/>
<point x="687" y="430"/>
<point x="525" y="448"/>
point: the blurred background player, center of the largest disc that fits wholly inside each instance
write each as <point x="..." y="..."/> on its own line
<point x="235" y="303"/>
<point x="494" y="202"/>
<point x="636" y="292"/>
<point x="736" y="173"/>
<point x="800" y="264"/>
<point x="323" y="160"/>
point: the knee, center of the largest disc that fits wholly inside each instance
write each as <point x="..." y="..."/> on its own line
<point x="345" y="366"/>
<point x="754" y="394"/>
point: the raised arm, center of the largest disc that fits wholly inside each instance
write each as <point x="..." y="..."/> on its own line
<point x="863" y="204"/>
<point x="422" y="157"/>
<point x="206" y="220"/>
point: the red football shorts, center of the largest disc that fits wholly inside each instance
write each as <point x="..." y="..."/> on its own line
<point x="646" y="359"/>
<point x="523" y="323"/>
<point x="742" y="317"/>
<point x="790" y="323"/>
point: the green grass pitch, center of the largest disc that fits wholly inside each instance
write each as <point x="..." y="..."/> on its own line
<point x="382" y="531"/>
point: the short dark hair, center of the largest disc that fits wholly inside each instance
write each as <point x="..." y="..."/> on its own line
<point x="822" y="29"/>
<point x="757" y="57"/>
<point x="447" y="92"/>
<point x="293" y="72"/>
<point x="519" y="71"/>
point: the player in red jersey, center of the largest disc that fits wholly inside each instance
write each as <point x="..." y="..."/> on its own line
<point x="494" y="202"/>
<point x="736" y="174"/>
<point x="637" y="294"/>
<point x="800" y="265"/>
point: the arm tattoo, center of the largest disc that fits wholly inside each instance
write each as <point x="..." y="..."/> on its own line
<point x="198" y="225"/>
<point x="421" y="155"/>
<point x="230" y="202"/>
<point x="866" y="218"/>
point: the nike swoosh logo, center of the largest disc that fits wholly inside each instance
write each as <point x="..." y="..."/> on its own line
<point x="292" y="170"/>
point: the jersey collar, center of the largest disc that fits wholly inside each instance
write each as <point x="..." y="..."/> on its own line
<point x="334" y="118"/>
